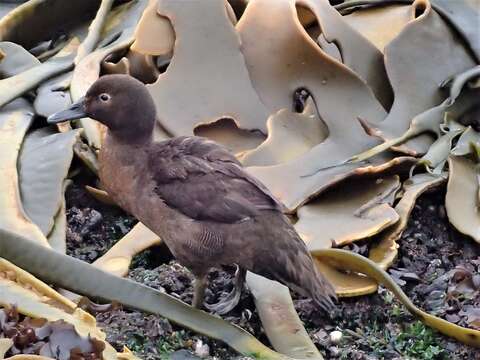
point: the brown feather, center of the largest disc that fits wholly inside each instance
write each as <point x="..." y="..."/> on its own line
<point x="202" y="180"/>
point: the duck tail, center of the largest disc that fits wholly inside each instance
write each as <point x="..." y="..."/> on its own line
<point x="290" y="263"/>
<point x="306" y="279"/>
<point x="321" y="291"/>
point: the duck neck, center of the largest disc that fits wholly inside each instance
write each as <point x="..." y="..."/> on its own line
<point x="138" y="131"/>
<point x="133" y="138"/>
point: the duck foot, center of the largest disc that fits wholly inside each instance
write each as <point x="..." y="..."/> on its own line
<point x="227" y="303"/>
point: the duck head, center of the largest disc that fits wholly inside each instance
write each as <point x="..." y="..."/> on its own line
<point x="120" y="102"/>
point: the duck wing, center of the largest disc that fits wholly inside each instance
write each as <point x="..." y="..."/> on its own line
<point x="205" y="182"/>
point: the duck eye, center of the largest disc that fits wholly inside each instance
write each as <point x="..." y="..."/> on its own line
<point x="104" y="97"/>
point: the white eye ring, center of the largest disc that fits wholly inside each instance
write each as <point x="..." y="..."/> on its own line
<point x="104" y="97"/>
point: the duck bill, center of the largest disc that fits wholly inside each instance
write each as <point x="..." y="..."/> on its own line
<point x="76" y="111"/>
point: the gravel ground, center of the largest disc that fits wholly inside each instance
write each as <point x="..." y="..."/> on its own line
<point x="437" y="267"/>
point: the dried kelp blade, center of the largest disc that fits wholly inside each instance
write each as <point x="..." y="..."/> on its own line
<point x="280" y="320"/>
<point x="328" y="82"/>
<point x="120" y="18"/>
<point x="227" y="133"/>
<point x="57" y="238"/>
<point x="94" y="31"/>
<point x="391" y="19"/>
<point x="15" y="86"/>
<point x="461" y="14"/>
<point x="41" y="17"/>
<point x="87" y="155"/>
<point x="290" y="135"/>
<point x="294" y="184"/>
<point x="118" y="258"/>
<point x="468" y="143"/>
<point x="360" y="210"/>
<point x="154" y="34"/>
<point x="44" y="162"/>
<point x="346" y="284"/>
<point x="350" y="6"/>
<point x="461" y="201"/>
<point x="440" y="150"/>
<point x="15" y="119"/>
<point x="219" y="84"/>
<point x="457" y="83"/>
<point x="307" y="65"/>
<point x="100" y="195"/>
<point x="428" y="121"/>
<point x="5" y="345"/>
<point x="37" y="299"/>
<point x="415" y="78"/>
<point x="52" y="95"/>
<point x="142" y="67"/>
<point x="16" y="60"/>
<point x="358" y="54"/>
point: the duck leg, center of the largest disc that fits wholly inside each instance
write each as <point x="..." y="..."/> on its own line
<point x="227" y="303"/>
<point x="199" y="286"/>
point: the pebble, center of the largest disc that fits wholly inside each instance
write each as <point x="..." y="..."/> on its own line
<point x="334" y="351"/>
<point x="436" y="262"/>
<point x="336" y="337"/>
<point x="201" y="349"/>
<point x="476" y="281"/>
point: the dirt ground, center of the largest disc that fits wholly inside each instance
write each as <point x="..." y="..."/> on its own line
<point x="437" y="267"/>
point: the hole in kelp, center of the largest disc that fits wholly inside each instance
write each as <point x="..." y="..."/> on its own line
<point x="226" y="132"/>
<point x="300" y="97"/>
<point x="420" y="10"/>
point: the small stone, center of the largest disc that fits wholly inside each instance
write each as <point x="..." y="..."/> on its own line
<point x="321" y="336"/>
<point x="436" y="262"/>
<point x="453" y="318"/>
<point x="201" y="349"/>
<point x="334" y="351"/>
<point x="476" y="281"/>
<point x="336" y="337"/>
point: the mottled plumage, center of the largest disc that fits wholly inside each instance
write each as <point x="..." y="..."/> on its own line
<point x="196" y="196"/>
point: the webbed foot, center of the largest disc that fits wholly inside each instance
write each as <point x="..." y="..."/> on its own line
<point x="227" y="303"/>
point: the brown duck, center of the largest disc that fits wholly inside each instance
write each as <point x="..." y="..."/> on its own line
<point x="195" y="195"/>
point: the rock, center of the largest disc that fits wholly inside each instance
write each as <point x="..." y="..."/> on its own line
<point x="201" y="349"/>
<point x="336" y="337"/>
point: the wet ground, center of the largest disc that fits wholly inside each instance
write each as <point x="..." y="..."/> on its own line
<point x="437" y="267"/>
